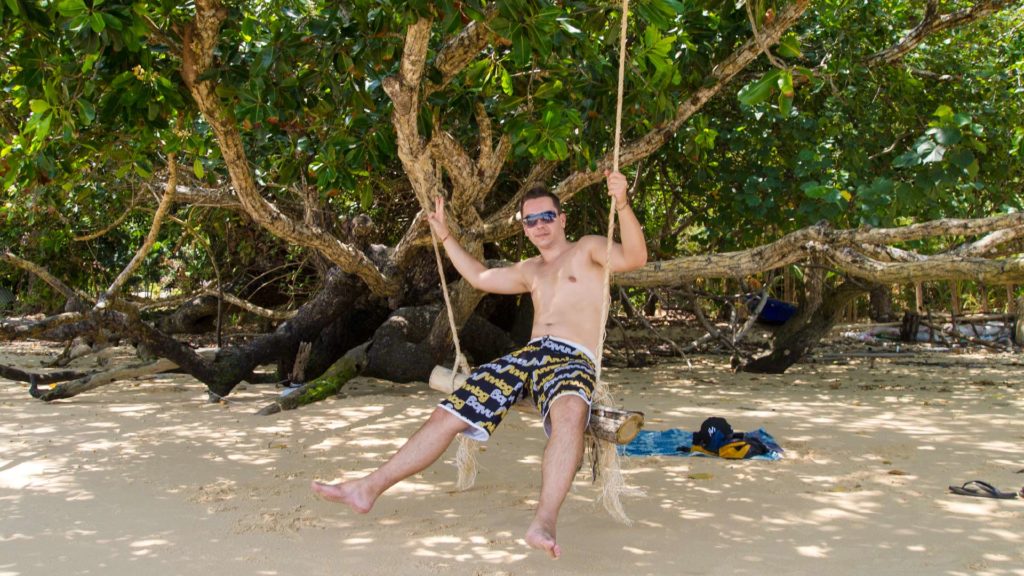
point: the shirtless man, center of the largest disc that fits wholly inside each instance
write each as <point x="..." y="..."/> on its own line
<point x="566" y="284"/>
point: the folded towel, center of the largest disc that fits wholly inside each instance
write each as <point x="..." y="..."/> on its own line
<point x="676" y="442"/>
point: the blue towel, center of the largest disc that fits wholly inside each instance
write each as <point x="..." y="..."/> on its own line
<point x="668" y="442"/>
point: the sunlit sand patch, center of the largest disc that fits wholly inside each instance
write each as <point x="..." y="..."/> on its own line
<point x="41" y="474"/>
<point x="813" y="551"/>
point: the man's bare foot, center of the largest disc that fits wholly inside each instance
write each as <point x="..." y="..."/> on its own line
<point x="539" y="537"/>
<point x="355" y="494"/>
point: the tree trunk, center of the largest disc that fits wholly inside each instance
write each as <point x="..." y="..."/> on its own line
<point x="881" y="309"/>
<point x="402" y="350"/>
<point x="805" y="330"/>
<point x="197" y="316"/>
<point x="342" y="304"/>
<point x="909" y="326"/>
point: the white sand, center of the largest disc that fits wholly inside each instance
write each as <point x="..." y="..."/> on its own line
<point x="147" y="478"/>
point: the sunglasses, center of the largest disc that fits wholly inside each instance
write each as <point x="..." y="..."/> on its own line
<point x="547" y="217"/>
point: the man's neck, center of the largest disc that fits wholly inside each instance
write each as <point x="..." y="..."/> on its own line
<point x="553" y="252"/>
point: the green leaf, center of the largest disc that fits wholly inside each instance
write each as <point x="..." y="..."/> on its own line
<point x="70" y="8"/>
<point x="521" y="49"/>
<point x="759" y="90"/>
<point x="43" y="128"/>
<point x="548" y="89"/>
<point x="786" y="83"/>
<point x="97" y="22"/>
<point x="789" y="46"/>
<point x="945" y="136"/>
<point x="112" y="21"/>
<point x="561" y="149"/>
<point x="936" y="154"/>
<point x="943" y="112"/>
<point x="197" y="168"/>
<point x="506" y="82"/>
<point x="141" y="170"/>
<point x="813" y="189"/>
<point x="785" y="105"/>
<point x="86" y="110"/>
<point x="476" y="71"/>
<point x="39" y="106"/>
<point x="89" y="61"/>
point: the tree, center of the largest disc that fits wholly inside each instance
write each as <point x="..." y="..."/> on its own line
<point x="330" y="127"/>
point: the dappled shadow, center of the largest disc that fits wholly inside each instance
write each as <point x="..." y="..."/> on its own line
<point x="150" y="476"/>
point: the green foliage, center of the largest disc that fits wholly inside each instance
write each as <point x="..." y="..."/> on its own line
<point x="93" y="102"/>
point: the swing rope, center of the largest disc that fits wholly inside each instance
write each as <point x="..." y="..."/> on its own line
<point x="465" y="456"/>
<point x="604" y="455"/>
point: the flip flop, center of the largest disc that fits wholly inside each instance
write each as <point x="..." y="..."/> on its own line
<point x="981" y="489"/>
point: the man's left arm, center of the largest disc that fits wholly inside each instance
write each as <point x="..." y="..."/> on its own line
<point x="632" y="252"/>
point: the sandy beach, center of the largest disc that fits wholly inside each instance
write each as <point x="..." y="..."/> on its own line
<point x="147" y="477"/>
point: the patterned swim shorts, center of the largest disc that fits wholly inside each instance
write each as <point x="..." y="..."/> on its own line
<point x="552" y="367"/>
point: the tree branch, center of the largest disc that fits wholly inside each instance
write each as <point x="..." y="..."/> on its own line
<point x="932" y="23"/>
<point x="197" y="61"/>
<point x="103" y="231"/>
<point x="147" y="244"/>
<point x="45" y="276"/>
<point x="458" y="52"/>
<point x="502" y="223"/>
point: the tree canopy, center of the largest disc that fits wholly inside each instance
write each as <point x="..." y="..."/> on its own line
<point x="279" y="139"/>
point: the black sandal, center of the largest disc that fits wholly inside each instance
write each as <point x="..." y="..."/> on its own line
<point x="981" y="489"/>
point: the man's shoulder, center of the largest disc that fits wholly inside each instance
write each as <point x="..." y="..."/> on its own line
<point x="531" y="262"/>
<point x="591" y="239"/>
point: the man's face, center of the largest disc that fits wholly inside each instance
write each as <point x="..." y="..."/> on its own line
<point x="538" y="224"/>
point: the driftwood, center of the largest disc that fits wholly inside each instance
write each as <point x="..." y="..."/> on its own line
<point x="76" y="387"/>
<point x="606" y="423"/>
<point x="93" y="381"/>
<point x="18" y="375"/>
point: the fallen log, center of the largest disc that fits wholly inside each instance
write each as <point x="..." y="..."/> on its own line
<point x="93" y="381"/>
<point x="606" y="423"/>
<point x="328" y="384"/>
<point x="18" y="375"/>
<point x="76" y="387"/>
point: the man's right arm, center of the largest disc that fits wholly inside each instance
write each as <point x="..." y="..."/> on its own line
<point x="494" y="280"/>
<point x="508" y="280"/>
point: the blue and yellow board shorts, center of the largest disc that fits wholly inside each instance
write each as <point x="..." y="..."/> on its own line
<point x="545" y="369"/>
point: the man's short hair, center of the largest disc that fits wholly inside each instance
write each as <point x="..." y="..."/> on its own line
<point x="539" y="191"/>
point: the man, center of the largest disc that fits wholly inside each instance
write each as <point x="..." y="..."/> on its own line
<point x="555" y="369"/>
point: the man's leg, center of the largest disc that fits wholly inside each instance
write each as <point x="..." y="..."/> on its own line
<point x="421" y="450"/>
<point x="561" y="460"/>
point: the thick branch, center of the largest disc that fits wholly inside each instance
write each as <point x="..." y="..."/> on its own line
<point x="846" y="249"/>
<point x="938" y="267"/>
<point x="18" y="375"/>
<point x="197" y="60"/>
<point x="403" y="90"/>
<point x="932" y="23"/>
<point x="502" y="224"/>
<point x="45" y="276"/>
<point x="990" y="243"/>
<point x="147" y="244"/>
<point x="212" y="198"/>
<point x="930" y="229"/>
<point x="14" y="330"/>
<point x="458" y="52"/>
<point x="227" y="297"/>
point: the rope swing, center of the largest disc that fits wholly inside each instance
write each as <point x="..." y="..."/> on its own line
<point x="604" y="455"/>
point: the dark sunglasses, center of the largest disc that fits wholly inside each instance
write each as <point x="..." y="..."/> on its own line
<point x="547" y="217"/>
